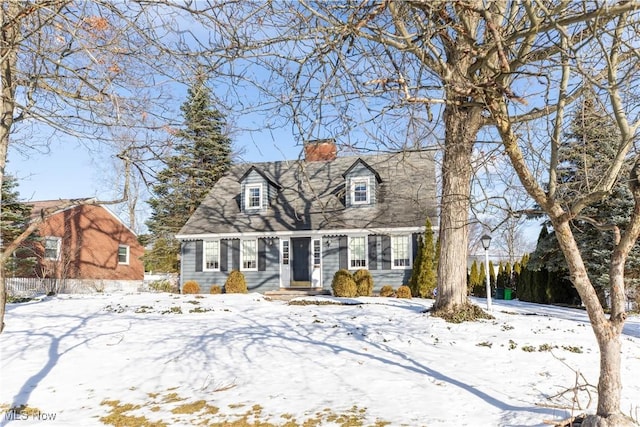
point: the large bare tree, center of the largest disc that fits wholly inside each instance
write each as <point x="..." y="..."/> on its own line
<point x="605" y="61"/>
<point x="376" y="74"/>
<point x="85" y="71"/>
<point x="386" y="71"/>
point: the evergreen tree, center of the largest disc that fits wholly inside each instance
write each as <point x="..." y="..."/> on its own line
<point x="474" y="277"/>
<point x="481" y="289"/>
<point x="501" y="280"/>
<point x="14" y="218"/>
<point x="508" y="273"/>
<point x="423" y="275"/>
<point x="585" y="154"/>
<point x="201" y="156"/>
<point x="492" y="275"/>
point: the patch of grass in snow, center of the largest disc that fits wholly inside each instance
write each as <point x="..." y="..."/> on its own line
<point x="193" y="407"/>
<point x="118" y="417"/>
<point x="19" y="411"/>
<point x="201" y="413"/>
<point x="466" y="313"/>
<point x="12" y="299"/>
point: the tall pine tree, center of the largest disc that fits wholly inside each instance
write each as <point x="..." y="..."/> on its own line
<point x="201" y="156"/>
<point x="586" y="152"/>
<point x="14" y="218"/>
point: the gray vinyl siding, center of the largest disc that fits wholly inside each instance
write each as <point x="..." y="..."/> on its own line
<point x="330" y="259"/>
<point x="257" y="281"/>
<point x="331" y="264"/>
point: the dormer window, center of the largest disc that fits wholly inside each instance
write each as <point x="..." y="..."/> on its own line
<point x="360" y="191"/>
<point x="253" y="196"/>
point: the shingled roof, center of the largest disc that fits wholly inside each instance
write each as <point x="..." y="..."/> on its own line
<point x="311" y="196"/>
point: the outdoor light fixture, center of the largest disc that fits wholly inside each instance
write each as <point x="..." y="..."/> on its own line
<point x="486" y="241"/>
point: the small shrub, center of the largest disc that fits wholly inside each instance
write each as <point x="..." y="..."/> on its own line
<point x="387" y="291"/>
<point x="235" y="283"/>
<point x="343" y="284"/>
<point x="215" y="290"/>
<point x="161" y="286"/>
<point x="191" y="287"/>
<point x="403" y="292"/>
<point x="364" y="283"/>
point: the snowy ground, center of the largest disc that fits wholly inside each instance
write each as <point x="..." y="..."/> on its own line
<point x="132" y="359"/>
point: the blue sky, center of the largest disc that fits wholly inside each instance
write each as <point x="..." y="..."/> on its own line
<point x="70" y="170"/>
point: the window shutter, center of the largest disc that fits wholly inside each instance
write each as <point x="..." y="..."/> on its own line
<point x="262" y="255"/>
<point x="198" y="255"/>
<point x="386" y="252"/>
<point x="343" y="254"/>
<point x="415" y="241"/>
<point x="373" y="252"/>
<point x="235" y="254"/>
<point x="224" y="249"/>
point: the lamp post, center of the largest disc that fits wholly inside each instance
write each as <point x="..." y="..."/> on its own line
<point x="486" y="241"/>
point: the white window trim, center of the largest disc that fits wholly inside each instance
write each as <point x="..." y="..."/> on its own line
<point x="285" y="252"/>
<point x="58" y="247"/>
<point x="316" y="244"/>
<point x="247" y="196"/>
<point x="242" y="267"/>
<point x="409" y="252"/>
<point x="126" y="262"/>
<point x="366" y="252"/>
<point x="204" y="256"/>
<point x="356" y="181"/>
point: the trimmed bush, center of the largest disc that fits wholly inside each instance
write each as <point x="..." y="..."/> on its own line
<point x="191" y="287"/>
<point x="387" y="291"/>
<point x="364" y="283"/>
<point x="235" y="283"/>
<point x="343" y="284"/>
<point x="162" y="286"/>
<point x="215" y="290"/>
<point x="403" y="292"/>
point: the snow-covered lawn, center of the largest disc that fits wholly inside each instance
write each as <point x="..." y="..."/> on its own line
<point x="132" y="359"/>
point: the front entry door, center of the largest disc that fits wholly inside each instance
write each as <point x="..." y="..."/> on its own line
<point x="300" y="247"/>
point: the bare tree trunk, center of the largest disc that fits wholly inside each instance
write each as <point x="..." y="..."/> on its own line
<point x="8" y="61"/>
<point x="462" y="126"/>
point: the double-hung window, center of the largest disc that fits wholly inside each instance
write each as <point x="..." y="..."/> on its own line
<point x="253" y="196"/>
<point x="357" y="252"/>
<point x="249" y="255"/>
<point x="123" y="254"/>
<point x="360" y="191"/>
<point x="211" y="255"/>
<point x="400" y="252"/>
<point x="52" y="247"/>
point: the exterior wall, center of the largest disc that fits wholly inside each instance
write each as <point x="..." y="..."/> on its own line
<point x="90" y="236"/>
<point x="257" y="281"/>
<point x="334" y="257"/>
<point x="331" y="263"/>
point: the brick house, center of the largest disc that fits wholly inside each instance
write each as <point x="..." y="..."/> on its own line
<point x="84" y="241"/>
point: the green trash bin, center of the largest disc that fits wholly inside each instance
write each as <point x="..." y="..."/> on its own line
<point x="500" y="293"/>
<point x="507" y="293"/>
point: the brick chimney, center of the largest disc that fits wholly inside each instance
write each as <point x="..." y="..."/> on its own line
<point x="320" y="150"/>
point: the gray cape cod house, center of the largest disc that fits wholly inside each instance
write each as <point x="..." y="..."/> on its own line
<point x="293" y="224"/>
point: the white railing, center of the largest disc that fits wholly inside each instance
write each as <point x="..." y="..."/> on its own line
<point x="29" y="287"/>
